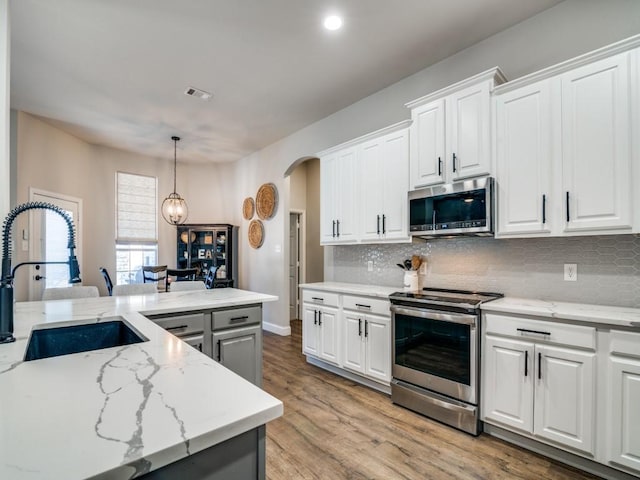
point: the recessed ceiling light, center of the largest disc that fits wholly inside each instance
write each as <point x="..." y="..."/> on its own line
<point x="332" y="22"/>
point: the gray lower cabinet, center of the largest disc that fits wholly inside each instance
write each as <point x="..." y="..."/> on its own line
<point x="232" y="336"/>
<point x="237" y="341"/>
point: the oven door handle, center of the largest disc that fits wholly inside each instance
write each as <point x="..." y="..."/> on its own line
<point x="436" y="315"/>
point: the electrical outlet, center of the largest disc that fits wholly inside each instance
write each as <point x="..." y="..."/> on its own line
<point x="370" y="266"/>
<point x="571" y="272"/>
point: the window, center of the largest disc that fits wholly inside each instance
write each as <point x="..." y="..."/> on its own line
<point x="136" y="227"/>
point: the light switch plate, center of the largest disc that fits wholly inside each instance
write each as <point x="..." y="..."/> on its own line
<point x="571" y="272"/>
<point x="370" y="266"/>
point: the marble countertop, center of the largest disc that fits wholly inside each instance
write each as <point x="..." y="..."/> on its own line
<point x="593" y="314"/>
<point x="118" y="412"/>
<point x="352" y="288"/>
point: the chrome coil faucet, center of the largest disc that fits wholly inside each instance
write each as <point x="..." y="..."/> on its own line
<point x="6" y="280"/>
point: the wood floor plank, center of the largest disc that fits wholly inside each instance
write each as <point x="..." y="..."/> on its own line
<point x="334" y="428"/>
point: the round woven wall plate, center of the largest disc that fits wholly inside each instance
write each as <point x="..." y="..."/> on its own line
<point x="266" y="201"/>
<point x="248" y="207"/>
<point x="256" y="233"/>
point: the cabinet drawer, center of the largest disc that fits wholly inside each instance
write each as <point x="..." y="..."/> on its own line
<point x="377" y="306"/>
<point x="537" y="330"/>
<point x="182" y="325"/>
<point x="320" y="298"/>
<point x="625" y="343"/>
<point x="235" y="317"/>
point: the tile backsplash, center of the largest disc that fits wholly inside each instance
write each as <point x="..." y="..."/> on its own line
<point x="608" y="266"/>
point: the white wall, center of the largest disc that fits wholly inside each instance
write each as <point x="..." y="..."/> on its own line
<point x="571" y="28"/>
<point x="5" y="158"/>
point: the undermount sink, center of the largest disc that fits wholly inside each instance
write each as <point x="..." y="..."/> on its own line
<point x="51" y="341"/>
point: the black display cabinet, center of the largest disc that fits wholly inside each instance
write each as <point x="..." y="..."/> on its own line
<point x="210" y="248"/>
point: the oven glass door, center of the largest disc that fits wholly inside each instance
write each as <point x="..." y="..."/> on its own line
<point x="436" y="350"/>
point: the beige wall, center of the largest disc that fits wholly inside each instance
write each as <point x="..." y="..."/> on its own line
<point x="314" y="253"/>
<point x="52" y="160"/>
<point x="5" y="158"/>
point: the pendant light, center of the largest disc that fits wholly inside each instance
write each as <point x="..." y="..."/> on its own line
<point x="174" y="207"/>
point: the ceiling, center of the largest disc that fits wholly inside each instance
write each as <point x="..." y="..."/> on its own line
<point x="113" y="72"/>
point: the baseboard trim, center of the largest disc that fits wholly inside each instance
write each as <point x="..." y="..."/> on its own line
<point x="351" y="376"/>
<point x="277" y="329"/>
<point x="562" y="456"/>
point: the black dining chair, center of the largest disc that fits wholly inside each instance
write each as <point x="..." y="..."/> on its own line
<point x="179" y="275"/>
<point x="107" y="280"/>
<point x="155" y="273"/>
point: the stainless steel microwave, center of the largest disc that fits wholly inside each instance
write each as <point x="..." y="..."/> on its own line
<point x="460" y="208"/>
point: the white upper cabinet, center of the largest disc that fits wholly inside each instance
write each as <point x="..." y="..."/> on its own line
<point x="451" y="134"/>
<point x="524" y="160"/>
<point x="596" y="150"/>
<point x="384" y="167"/>
<point x="565" y="161"/>
<point x="338" y="195"/>
<point x="363" y="188"/>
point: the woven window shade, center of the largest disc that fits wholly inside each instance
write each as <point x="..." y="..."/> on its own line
<point x="137" y="213"/>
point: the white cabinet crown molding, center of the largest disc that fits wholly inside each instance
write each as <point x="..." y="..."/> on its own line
<point x="571" y="64"/>
<point x="493" y="73"/>
<point x="363" y="138"/>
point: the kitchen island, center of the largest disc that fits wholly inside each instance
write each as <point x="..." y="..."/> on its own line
<point x="123" y="412"/>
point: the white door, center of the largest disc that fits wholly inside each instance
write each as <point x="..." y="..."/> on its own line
<point x="371" y="193"/>
<point x="624" y="428"/>
<point x="294" y="264"/>
<point x="310" y="335"/>
<point x="394" y="174"/>
<point x="596" y="153"/>
<point x="468" y="133"/>
<point x="49" y="240"/>
<point x="378" y="347"/>
<point x="428" y="144"/>
<point x="347" y="223"/>
<point x="508" y="382"/>
<point x="328" y="200"/>
<point x="565" y="397"/>
<point x="354" y="352"/>
<point x="524" y="160"/>
<point x="328" y="321"/>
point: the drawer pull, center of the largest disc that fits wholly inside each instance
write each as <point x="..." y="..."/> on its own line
<point x="537" y="332"/>
<point x="317" y="299"/>
<point x="360" y="305"/>
<point x="179" y="327"/>
<point x="239" y="319"/>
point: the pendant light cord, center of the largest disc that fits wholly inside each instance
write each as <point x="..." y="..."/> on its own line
<point x="175" y="160"/>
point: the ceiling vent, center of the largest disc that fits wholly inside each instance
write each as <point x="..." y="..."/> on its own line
<point x="195" y="92"/>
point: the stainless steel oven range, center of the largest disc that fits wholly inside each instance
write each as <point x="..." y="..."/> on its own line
<point x="436" y="352"/>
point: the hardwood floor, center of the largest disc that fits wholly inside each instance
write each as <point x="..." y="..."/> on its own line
<point x="333" y="428"/>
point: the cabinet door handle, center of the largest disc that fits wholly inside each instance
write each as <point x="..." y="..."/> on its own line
<point x="384" y="224"/>
<point x="378" y="223"/>
<point x="366" y="328"/>
<point x="319" y="317"/>
<point x="315" y="317"/>
<point x="526" y="363"/>
<point x="537" y="332"/>
<point x="454" y="162"/>
<point x="439" y="166"/>
<point x="219" y="352"/>
<point x="544" y="209"/>
<point x="178" y="327"/>
<point x="333" y="228"/>
<point x="568" y="215"/>
<point x="359" y="327"/>
<point x="539" y="365"/>
<point x="338" y="227"/>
